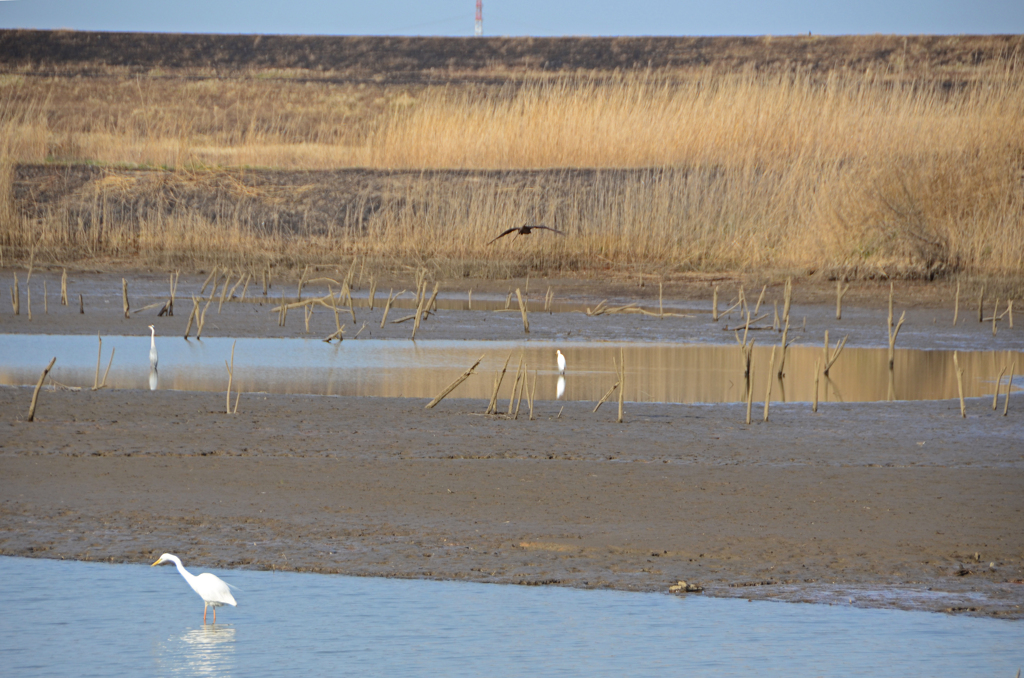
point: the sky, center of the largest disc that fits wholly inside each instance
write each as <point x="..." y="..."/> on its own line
<point x="523" y="17"/>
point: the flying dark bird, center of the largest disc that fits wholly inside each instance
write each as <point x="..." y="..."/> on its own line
<point x="525" y="229"/>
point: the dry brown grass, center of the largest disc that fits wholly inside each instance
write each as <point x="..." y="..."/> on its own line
<point x="852" y="172"/>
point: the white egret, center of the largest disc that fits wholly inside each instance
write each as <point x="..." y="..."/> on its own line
<point x="561" y="362"/>
<point x="212" y="589"/>
<point x="152" y="348"/>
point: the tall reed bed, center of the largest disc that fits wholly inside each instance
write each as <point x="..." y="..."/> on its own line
<point x="852" y="171"/>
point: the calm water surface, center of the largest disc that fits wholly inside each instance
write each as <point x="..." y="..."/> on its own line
<point x="88" y="619"/>
<point x="673" y="373"/>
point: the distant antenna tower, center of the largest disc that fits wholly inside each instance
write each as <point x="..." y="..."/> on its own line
<point x="478" y="29"/>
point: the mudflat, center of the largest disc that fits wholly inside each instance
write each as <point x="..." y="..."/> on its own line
<point x="903" y="497"/>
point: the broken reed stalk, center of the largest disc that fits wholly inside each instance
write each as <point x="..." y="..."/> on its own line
<point x="549" y="296"/>
<point x="981" y="301"/>
<point x="201" y="318"/>
<point x="302" y="282"/>
<point x="522" y="387"/>
<point x="714" y="305"/>
<point x="339" y="334"/>
<point x="469" y="300"/>
<point x="661" y="305"/>
<point x="956" y="303"/>
<point x="210" y="277"/>
<point x="334" y="307"/>
<point x="817" y="372"/>
<point x="360" y="331"/>
<point x="99" y="358"/>
<point x="28" y="300"/>
<point x="743" y="301"/>
<point x="373" y="291"/>
<point x="16" y="296"/>
<point x="533" y="394"/>
<point x="830" y="360"/>
<point x="995" y="316"/>
<point x="64" y="288"/>
<point x="508" y="300"/>
<point x="959" y="384"/>
<point x="124" y="296"/>
<point x="351" y="304"/>
<point x="750" y="394"/>
<point x="492" y="406"/>
<point x="622" y="381"/>
<point x="81" y="304"/>
<point x="224" y="292"/>
<point x="231" y="294"/>
<point x="39" y="386"/>
<point x="245" y="287"/>
<point x="46" y="308"/>
<point x="263" y="275"/>
<point x="840" y="293"/>
<point x="784" y="345"/>
<point x="760" y="299"/>
<point x="192" y="316"/>
<point x="522" y="309"/>
<point x="893" y="333"/>
<point x="231" y="374"/>
<point x="607" y="395"/>
<point x="282" y="311"/>
<point x="419" y="314"/>
<point x="515" y="386"/>
<point x="1009" y="310"/>
<point x="788" y="298"/>
<point x="999" y="382"/>
<point x="387" y="307"/>
<point x="1009" y="387"/>
<point x="451" y="387"/>
<point x="768" y="392"/>
<point x="775" y="322"/>
<point x="238" y="396"/>
<point x="308" y="313"/>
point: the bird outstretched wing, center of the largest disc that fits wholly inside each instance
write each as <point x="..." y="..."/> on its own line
<point x="548" y="228"/>
<point x="514" y="229"/>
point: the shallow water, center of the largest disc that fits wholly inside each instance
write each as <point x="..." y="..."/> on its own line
<point x="673" y="373"/>
<point x="72" y="618"/>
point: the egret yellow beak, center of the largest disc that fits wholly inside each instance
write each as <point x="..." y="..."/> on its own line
<point x="155" y="564"/>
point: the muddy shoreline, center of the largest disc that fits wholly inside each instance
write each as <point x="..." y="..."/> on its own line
<point x="888" y="504"/>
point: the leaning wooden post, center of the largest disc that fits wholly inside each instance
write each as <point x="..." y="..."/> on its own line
<point x="768" y="393"/>
<point x="124" y="296"/>
<point x="39" y="385"/>
<point x="522" y="309"/>
<point x="622" y="381"/>
<point x="714" y="305"/>
<point x="959" y="384"/>
<point x="817" y="366"/>
<point x="999" y="382"/>
<point x="1009" y="387"/>
<point x="453" y="385"/>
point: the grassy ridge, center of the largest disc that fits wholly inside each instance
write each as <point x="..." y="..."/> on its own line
<point x="853" y="171"/>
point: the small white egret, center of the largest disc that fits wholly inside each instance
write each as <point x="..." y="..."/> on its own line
<point x="212" y="589"/>
<point x="561" y="362"/>
<point x="152" y="348"/>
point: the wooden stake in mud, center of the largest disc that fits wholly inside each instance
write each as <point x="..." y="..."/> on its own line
<point x="224" y="293"/>
<point x="99" y="358"/>
<point x="981" y="301"/>
<point x="622" y="381"/>
<point x="714" y="305"/>
<point x="334" y="307"/>
<point x="81" y="304"/>
<point x="28" y="300"/>
<point x="192" y="316"/>
<point x="373" y="291"/>
<point x="1009" y="387"/>
<point x="956" y="303"/>
<point x="533" y="393"/>
<point x="522" y="386"/>
<point x="46" y="308"/>
<point x="39" y="386"/>
<point x="784" y="346"/>
<point x="995" y="316"/>
<point x="492" y="406"/>
<point x="830" y="359"/>
<point x="387" y="307"/>
<point x="64" y="288"/>
<point x="1009" y="310"/>
<point x="999" y="382"/>
<point x="893" y="333"/>
<point x="661" y="306"/>
<point x="231" y="373"/>
<point x="308" y="313"/>
<point x="817" y="372"/>
<point x="16" y="296"/>
<point x="124" y="296"/>
<point x="453" y="385"/>
<point x="750" y="394"/>
<point x="768" y="393"/>
<point x="283" y="312"/>
<point x="522" y="309"/>
<point x="245" y="287"/>
<point x="206" y="282"/>
<point x="840" y="293"/>
<point x="515" y="386"/>
<point x="302" y="282"/>
<point x="469" y="300"/>
<point x="760" y="298"/>
<point x="608" y="394"/>
<point x="419" y="314"/>
<point x="201" y="319"/>
<point x="959" y="384"/>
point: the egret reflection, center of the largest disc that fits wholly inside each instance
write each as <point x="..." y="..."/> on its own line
<point x="154" y="380"/>
<point x="560" y="388"/>
<point x="208" y="650"/>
